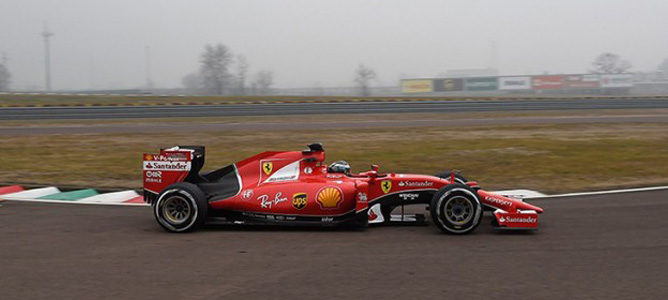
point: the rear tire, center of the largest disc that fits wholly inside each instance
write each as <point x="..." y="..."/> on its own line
<point x="456" y="209"/>
<point x="181" y="207"/>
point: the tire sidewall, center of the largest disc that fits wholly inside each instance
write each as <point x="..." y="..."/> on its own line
<point x="442" y="197"/>
<point x="195" y="199"/>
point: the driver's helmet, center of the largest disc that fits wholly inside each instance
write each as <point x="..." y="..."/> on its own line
<point x="340" y="166"/>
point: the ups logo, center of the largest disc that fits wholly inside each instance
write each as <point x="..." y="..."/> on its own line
<point x="299" y="200"/>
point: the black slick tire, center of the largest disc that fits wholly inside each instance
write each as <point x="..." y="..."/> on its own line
<point x="181" y="207"/>
<point x="456" y="209"/>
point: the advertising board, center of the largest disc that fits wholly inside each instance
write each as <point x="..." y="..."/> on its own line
<point x="582" y="81"/>
<point x="481" y="84"/>
<point x="515" y="83"/>
<point x="416" y="86"/>
<point x="448" y="85"/>
<point x="616" y="80"/>
<point x="547" y="82"/>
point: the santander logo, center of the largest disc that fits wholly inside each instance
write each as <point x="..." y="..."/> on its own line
<point x="518" y="220"/>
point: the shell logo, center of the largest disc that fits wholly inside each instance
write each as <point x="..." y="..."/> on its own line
<point x="329" y="197"/>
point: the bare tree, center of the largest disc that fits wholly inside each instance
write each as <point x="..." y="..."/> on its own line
<point x="4" y="78"/>
<point x="363" y="77"/>
<point x="263" y="81"/>
<point x="663" y="68"/>
<point x="610" y="63"/>
<point x="192" y="82"/>
<point x="214" y="68"/>
<point x="242" y="73"/>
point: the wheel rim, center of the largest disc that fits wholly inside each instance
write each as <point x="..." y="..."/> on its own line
<point x="176" y="210"/>
<point x="458" y="210"/>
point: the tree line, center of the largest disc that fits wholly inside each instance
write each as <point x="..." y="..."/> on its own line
<point x="222" y="73"/>
<point x="610" y="63"/>
<point x="5" y="77"/>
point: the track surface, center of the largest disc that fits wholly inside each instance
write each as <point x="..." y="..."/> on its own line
<point x="598" y="247"/>
<point x="315" y="125"/>
<point x="112" y="112"/>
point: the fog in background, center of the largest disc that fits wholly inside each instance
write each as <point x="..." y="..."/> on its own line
<point x="101" y="44"/>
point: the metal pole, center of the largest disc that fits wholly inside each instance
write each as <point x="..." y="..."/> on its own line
<point x="149" y="83"/>
<point x="494" y="58"/>
<point x="47" y="57"/>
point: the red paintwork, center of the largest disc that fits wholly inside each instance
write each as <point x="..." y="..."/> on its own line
<point x="516" y="219"/>
<point x="505" y="203"/>
<point x="138" y="199"/>
<point x="260" y="194"/>
<point x="161" y="170"/>
<point x="10" y="189"/>
<point x="277" y="183"/>
<point x="256" y="190"/>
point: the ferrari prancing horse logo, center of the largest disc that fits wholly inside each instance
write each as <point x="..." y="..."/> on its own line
<point x="267" y="167"/>
<point x="386" y="186"/>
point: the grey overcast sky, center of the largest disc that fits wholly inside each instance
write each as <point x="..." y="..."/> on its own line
<point x="100" y="44"/>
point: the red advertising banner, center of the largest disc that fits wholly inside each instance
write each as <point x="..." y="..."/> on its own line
<point x="584" y="81"/>
<point x="548" y="82"/>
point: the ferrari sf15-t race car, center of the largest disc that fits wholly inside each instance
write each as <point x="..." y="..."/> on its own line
<point x="297" y="188"/>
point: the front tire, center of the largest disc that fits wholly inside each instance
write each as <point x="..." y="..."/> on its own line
<point x="458" y="177"/>
<point x="456" y="209"/>
<point x="181" y="207"/>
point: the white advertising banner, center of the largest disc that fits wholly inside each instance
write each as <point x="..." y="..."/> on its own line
<point x="616" y="80"/>
<point x="515" y="83"/>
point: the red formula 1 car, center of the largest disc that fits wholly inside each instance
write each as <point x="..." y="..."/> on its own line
<point x="296" y="187"/>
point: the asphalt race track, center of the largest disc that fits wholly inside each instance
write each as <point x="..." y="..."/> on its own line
<point x="594" y="247"/>
<point x="120" y="112"/>
<point x="103" y="128"/>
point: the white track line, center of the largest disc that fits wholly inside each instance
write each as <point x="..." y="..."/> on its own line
<point x="645" y="189"/>
<point x="520" y="193"/>
<point x="77" y="202"/>
<point x="31" y="194"/>
<point x="116" y="197"/>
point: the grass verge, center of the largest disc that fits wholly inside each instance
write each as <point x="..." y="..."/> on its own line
<point x="549" y="157"/>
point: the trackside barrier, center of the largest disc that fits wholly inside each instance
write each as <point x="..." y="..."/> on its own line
<point x="334" y="100"/>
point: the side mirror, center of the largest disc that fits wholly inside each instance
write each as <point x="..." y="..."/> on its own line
<point x="373" y="173"/>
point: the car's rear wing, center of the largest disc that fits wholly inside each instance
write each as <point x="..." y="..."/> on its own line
<point x="172" y="165"/>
